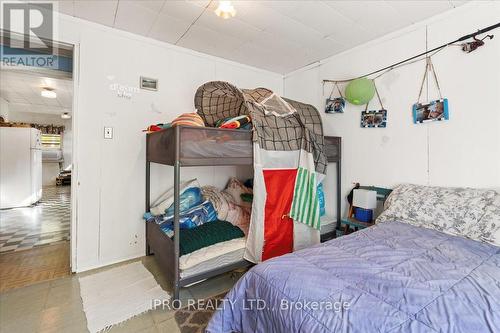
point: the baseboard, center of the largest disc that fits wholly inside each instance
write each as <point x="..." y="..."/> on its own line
<point x="108" y="263"/>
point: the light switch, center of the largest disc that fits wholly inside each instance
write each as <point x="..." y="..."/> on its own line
<point x="108" y="132"/>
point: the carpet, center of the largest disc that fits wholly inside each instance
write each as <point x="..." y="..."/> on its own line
<point x="195" y="318"/>
<point x="118" y="294"/>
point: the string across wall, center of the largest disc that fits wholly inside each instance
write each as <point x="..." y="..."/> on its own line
<point x="360" y="90"/>
<point x="466" y="47"/>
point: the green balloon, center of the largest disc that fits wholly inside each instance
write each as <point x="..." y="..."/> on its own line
<point x="360" y="91"/>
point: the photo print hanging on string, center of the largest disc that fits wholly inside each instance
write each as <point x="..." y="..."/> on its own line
<point x="335" y="104"/>
<point x="374" y="118"/>
<point x="435" y="110"/>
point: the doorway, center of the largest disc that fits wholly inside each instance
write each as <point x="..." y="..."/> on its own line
<point x="36" y="162"/>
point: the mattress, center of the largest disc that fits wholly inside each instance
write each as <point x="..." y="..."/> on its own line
<point x="212" y="256"/>
<point x="392" y="277"/>
<point x="213" y="263"/>
<point x="328" y="224"/>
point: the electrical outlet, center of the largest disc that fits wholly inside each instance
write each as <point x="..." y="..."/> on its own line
<point x="108" y="132"/>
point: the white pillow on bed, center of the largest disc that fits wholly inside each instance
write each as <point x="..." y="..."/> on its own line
<point x="489" y="225"/>
<point x="465" y="212"/>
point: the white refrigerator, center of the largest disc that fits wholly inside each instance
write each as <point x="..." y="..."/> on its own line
<point x="20" y="166"/>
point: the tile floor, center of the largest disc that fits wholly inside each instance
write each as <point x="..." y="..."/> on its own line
<point x="44" y="223"/>
<point x="56" y="306"/>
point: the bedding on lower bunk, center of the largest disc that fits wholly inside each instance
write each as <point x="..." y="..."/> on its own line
<point x="214" y="263"/>
<point x="213" y="224"/>
<point x="212" y="257"/>
<point x="207" y="234"/>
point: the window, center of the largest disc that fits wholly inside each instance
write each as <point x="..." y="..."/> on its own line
<point x="51" y="141"/>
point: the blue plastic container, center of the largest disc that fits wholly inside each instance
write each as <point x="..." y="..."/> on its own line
<point x="363" y="215"/>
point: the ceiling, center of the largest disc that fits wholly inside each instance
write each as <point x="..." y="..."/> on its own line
<point x="22" y="88"/>
<point x="280" y="36"/>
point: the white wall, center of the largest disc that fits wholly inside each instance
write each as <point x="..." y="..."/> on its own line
<point x="111" y="173"/>
<point x="4" y="109"/>
<point x="37" y="118"/>
<point x="50" y="171"/>
<point x="464" y="151"/>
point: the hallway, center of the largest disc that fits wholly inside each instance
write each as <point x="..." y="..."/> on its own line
<point x="47" y="222"/>
<point x="34" y="241"/>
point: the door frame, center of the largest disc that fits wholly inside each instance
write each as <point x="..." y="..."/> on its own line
<point x="74" y="162"/>
<point x="74" y="171"/>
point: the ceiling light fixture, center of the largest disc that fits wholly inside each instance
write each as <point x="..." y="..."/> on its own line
<point x="65" y="115"/>
<point x="48" y="93"/>
<point x="225" y="10"/>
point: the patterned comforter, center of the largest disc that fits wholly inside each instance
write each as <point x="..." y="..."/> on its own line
<point x="392" y="277"/>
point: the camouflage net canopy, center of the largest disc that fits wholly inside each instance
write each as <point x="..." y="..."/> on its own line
<point x="279" y="123"/>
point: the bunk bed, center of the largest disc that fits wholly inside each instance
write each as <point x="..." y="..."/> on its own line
<point x="186" y="146"/>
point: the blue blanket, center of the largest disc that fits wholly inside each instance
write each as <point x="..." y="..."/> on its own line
<point x="392" y="277"/>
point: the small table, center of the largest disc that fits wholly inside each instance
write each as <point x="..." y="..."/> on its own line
<point x="350" y="222"/>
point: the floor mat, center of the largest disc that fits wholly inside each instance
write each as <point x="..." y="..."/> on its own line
<point x="115" y="295"/>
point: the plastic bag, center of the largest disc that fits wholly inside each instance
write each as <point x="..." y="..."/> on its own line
<point x="190" y="198"/>
<point x="192" y="218"/>
<point x="164" y="201"/>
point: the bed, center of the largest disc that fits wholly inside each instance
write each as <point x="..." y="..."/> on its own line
<point x="187" y="146"/>
<point x="432" y="264"/>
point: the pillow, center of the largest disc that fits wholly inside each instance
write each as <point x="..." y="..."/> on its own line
<point x="227" y="209"/>
<point x="189" y="119"/>
<point x="236" y="188"/>
<point x="488" y="228"/>
<point x="471" y="213"/>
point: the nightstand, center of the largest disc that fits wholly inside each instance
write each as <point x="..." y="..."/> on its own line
<point x="350" y="224"/>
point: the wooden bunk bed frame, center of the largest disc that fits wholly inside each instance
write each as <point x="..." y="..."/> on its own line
<point x="164" y="147"/>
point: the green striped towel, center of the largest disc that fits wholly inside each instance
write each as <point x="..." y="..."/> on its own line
<point x="305" y="203"/>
